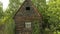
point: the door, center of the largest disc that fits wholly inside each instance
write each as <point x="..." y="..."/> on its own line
<point x="28" y="28"/>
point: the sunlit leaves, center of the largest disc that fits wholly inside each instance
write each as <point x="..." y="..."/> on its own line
<point x="53" y="11"/>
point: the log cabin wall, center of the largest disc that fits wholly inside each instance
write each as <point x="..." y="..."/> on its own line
<point x="24" y="18"/>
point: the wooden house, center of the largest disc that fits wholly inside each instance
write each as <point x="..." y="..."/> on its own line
<point x="25" y="16"/>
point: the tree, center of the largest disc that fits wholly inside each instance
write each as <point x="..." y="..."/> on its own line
<point x="53" y="11"/>
<point x="1" y="11"/>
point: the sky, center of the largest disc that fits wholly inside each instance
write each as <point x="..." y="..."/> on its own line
<point x="6" y="3"/>
<point x="47" y="1"/>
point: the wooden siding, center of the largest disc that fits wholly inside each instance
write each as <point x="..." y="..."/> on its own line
<point x="26" y="15"/>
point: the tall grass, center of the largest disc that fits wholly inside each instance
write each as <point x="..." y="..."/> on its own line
<point x="9" y="27"/>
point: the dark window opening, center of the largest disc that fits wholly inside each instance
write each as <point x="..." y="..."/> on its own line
<point x="27" y="8"/>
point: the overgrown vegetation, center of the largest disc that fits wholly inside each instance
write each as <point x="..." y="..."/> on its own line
<point x="50" y="13"/>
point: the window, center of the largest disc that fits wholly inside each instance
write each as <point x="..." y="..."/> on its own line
<point x="27" y="8"/>
<point x="28" y="24"/>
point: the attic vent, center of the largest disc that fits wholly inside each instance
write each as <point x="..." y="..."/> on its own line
<point x="27" y="8"/>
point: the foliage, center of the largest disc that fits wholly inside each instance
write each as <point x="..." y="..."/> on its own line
<point x="54" y="11"/>
<point x="50" y="13"/>
<point x="36" y="29"/>
<point x="7" y="17"/>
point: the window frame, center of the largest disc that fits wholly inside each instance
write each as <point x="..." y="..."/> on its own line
<point x="28" y="24"/>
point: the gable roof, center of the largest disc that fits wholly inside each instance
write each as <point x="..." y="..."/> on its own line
<point x="29" y="3"/>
